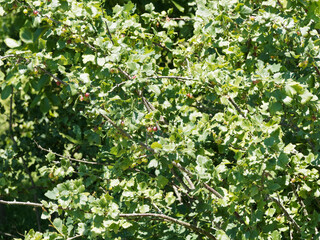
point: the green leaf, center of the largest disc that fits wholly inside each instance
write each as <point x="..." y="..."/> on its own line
<point x="153" y="163"/>
<point x="6" y="92"/>
<point x="88" y="58"/>
<point x="45" y="105"/>
<point x="58" y="224"/>
<point x="162" y="181"/>
<point x="144" y="209"/>
<point x="12" y="43"/>
<point x="52" y="194"/>
<point x="26" y="35"/>
<point x="156" y="145"/>
<point x="178" y="6"/>
<point x="283" y="160"/>
<point x="306" y="96"/>
<point x="170" y="198"/>
<point x="155" y="89"/>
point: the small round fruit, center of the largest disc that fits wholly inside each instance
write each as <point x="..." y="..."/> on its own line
<point x="87" y="95"/>
<point x="299" y="33"/>
<point x="149" y="129"/>
<point x="189" y="95"/>
<point x="122" y="123"/>
<point x="35" y="12"/>
<point x="81" y="98"/>
<point x="58" y="83"/>
<point x="155" y="129"/>
<point x="25" y="11"/>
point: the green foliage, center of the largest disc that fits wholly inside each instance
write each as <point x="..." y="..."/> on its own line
<point x="133" y="123"/>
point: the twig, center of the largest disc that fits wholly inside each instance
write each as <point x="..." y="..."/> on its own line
<point x="297" y="227"/>
<point x="50" y="74"/>
<point x="8" y="234"/>
<point x="160" y="45"/>
<point x="66" y="157"/>
<point x="7" y="56"/>
<point x="31" y="204"/>
<point x="171" y="77"/>
<point x="10" y="116"/>
<point x="169" y="219"/>
<point x="175" y="189"/>
<point x="236" y="106"/>
<point x="179" y="180"/>
<point x="116" y="86"/>
<point x="109" y="33"/>
<point x="124" y="72"/>
<point x="305" y="211"/>
<point x="128" y="215"/>
<point x="189" y="182"/>
<point x="212" y="190"/>
<point x="75" y="237"/>
<point x="156" y="207"/>
<point x="124" y="133"/>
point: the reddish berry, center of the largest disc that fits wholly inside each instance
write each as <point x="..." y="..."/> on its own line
<point x="81" y="98"/>
<point x="298" y="32"/>
<point x="35" y="12"/>
<point x="155" y="129"/>
<point x="58" y="83"/>
<point x="122" y="123"/>
<point x="149" y="129"/>
<point x="87" y="94"/>
<point x="189" y="95"/>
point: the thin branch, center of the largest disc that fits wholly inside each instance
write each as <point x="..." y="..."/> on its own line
<point x="51" y="75"/>
<point x="66" y="157"/>
<point x="124" y="133"/>
<point x="179" y="180"/>
<point x="171" y="77"/>
<point x="305" y="211"/>
<point x="10" y="116"/>
<point x="7" y="56"/>
<point x="212" y="190"/>
<point x="169" y="219"/>
<point x="189" y="182"/>
<point x="160" y="45"/>
<point x="297" y="227"/>
<point x="178" y="165"/>
<point x="175" y="189"/>
<point x="116" y="86"/>
<point x="124" y="73"/>
<point x="236" y="106"/>
<point x="75" y="237"/>
<point x="157" y="208"/>
<point x="31" y="204"/>
<point x="109" y="33"/>
<point x="8" y="234"/>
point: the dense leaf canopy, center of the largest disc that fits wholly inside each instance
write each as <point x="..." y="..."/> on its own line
<point x="178" y="119"/>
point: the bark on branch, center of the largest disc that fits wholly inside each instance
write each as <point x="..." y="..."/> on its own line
<point x="31" y="204"/>
<point x="169" y="219"/>
<point x="70" y="158"/>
